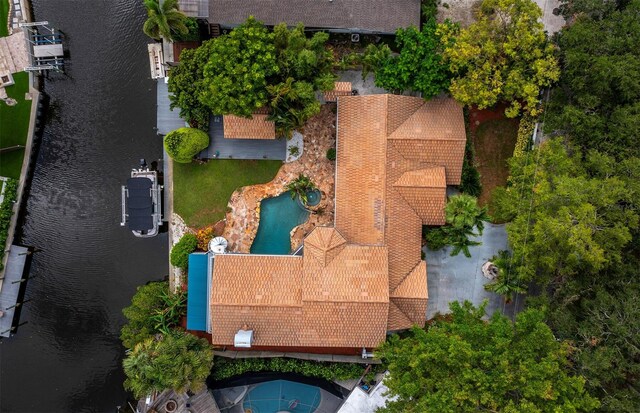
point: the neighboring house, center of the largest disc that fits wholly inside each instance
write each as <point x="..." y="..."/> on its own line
<point x="363" y="277"/>
<point x="358" y="16"/>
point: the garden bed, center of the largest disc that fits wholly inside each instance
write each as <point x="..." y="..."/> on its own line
<point x="494" y="138"/>
<point x="201" y="191"/>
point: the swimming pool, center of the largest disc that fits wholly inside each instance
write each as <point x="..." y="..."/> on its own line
<point x="278" y="216"/>
<point x="282" y="396"/>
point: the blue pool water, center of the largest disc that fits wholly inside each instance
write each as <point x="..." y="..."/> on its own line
<point x="278" y="216"/>
<point x="282" y="396"/>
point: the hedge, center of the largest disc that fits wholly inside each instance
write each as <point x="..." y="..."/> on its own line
<point x="185" y="143"/>
<point x="6" y="212"/>
<point x="226" y="368"/>
<point x="179" y="256"/>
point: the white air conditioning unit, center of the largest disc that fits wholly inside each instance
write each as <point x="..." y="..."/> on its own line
<point x="243" y="339"/>
<point x="355" y="37"/>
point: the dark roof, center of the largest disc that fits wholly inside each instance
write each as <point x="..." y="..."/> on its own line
<point x="140" y="204"/>
<point x="382" y="16"/>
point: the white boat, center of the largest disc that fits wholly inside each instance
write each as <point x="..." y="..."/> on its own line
<point x="142" y="202"/>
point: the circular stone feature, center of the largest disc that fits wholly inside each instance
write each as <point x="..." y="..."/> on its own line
<point x="313" y="197"/>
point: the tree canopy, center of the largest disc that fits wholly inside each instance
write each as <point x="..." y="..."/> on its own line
<point x="153" y="310"/>
<point x="253" y="68"/>
<point x="463" y="216"/>
<point x="164" y="21"/>
<point x="597" y="102"/>
<point x="568" y="217"/>
<point x="238" y="68"/>
<point x="178" y="361"/>
<point x="462" y="363"/>
<point x="418" y="67"/>
<point x="503" y="56"/>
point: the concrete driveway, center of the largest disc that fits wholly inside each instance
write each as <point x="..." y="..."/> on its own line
<point x="460" y="278"/>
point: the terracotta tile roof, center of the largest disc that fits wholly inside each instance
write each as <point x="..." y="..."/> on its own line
<point x="323" y="244"/>
<point x="425" y="190"/>
<point x="257" y="280"/>
<point x="360" y="169"/>
<point x="365" y="276"/>
<point x="357" y="274"/>
<point x="397" y="320"/>
<point x="339" y="89"/>
<point x="414" y="308"/>
<point x="381" y="16"/>
<point x="258" y="127"/>
<point x="413" y="285"/>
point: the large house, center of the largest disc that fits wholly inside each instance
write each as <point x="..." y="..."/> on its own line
<point x="364" y="277"/>
<point x="348" y="16"/>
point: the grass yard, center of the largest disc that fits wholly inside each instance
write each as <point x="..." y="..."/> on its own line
<point x="4" y="14"/>
<point x="14" y="125"/>
<point x="493" y="142"/>
<point x="201" y="191"/>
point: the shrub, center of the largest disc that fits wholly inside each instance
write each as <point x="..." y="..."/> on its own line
<point x="193" y="35"/>
<point x="180" y="252"/>
<point x="331" y="154"/>
<point x="204" y="235"/>
<point x="6" y="212"/>
<point x="185" y="143"/>
<point x="227" y="368"/>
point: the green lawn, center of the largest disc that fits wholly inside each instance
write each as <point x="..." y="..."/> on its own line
<point x="4" y="14"/>
<point x="14" y="125"/>
<point x="201" y="192"/>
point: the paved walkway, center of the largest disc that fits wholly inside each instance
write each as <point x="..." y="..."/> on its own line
<point x="167" y="119"/>
<point x="460" y="278"/>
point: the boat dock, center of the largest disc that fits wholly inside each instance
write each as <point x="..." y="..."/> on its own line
<point x="10" y="284"/>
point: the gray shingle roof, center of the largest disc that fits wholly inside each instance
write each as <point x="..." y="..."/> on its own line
<point x="382" y="16"/>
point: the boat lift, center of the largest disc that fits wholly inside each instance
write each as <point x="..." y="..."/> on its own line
<point x="44" y="47"/>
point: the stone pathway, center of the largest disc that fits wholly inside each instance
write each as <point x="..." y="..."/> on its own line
<point x="244" y="206"/>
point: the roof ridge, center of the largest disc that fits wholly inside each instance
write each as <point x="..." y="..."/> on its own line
<point x="401" y="289"/>
<point x="411" y="113"/>
<point x="406" y="320"/>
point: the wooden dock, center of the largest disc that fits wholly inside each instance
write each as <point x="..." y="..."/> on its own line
<point x="201" y="402"/>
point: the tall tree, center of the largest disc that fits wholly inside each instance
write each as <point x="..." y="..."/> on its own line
<point x="178" y="361"/>
<point x="597" y="101"/>
<point x="164" y="21"/>
<point x="463" y="216"/>
<point x="153" y="309"/>
<point x="418" y="67"/>
<point x="569" y="217"/>
<point x="238" y="69"/>
<point x="186" y="85"/>
<point x="462" y="363"/>
<point x="503" y="56"/>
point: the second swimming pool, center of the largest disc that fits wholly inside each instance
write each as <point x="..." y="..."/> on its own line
<point x="282" y="396"/>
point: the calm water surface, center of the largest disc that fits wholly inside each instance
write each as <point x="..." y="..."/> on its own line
<point x="101" y="119"/>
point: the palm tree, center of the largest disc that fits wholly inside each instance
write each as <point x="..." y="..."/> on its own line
<point x="507" y="283"/>
<point x="299" y="187"/>
<point x="164" y="21"/>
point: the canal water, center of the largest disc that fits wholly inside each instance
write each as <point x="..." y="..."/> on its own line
<point x="101" y="120"/>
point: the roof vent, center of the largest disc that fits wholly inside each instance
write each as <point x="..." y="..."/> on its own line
<point x="243" y="338"/>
